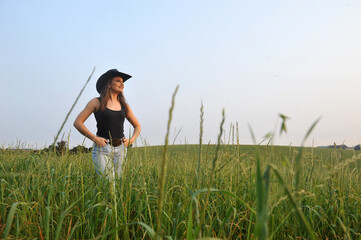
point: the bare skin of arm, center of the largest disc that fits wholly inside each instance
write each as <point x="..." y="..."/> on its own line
<point x="92" y="106"/>
<point x="135" y="123"/>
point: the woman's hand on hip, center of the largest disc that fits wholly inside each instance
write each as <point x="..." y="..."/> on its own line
<point x="126" y="142"/>
<point x="100" y="141"/>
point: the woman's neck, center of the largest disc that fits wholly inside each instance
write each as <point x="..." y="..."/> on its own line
<point x="113" y="96"/>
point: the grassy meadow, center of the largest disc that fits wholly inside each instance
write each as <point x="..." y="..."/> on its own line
<point x="205" y="191"/>
<point x="224" y="191"/>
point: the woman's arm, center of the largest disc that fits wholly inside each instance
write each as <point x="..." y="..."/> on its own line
<point x="135" y="123"/>
<point x="91" y="107"/>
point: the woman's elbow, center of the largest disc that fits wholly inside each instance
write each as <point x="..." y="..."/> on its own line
<point x="139" y="128"/>
<point x="76" y="124"/>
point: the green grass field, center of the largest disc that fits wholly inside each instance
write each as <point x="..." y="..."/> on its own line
<point x="233" y="192"/>
<point x="222" y="191"/>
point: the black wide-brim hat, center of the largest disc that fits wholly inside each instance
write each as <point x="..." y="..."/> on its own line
<point x="109" y="75"/>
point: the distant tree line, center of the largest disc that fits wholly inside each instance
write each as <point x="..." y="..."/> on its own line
<point x="343" y="146"/>
<point x="61" y="148"/>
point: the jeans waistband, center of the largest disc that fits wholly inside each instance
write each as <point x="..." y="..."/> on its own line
<point x="115" y="142"/>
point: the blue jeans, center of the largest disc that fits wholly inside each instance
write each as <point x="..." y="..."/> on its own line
<point x="108" y="160"/>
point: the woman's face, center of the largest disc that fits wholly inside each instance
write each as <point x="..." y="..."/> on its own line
<point x="117" y="85"/>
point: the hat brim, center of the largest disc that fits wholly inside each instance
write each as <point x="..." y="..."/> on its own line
<point x="109" y="75"/>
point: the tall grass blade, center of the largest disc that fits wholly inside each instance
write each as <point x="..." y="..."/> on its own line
<point x="227" y="216"/>
<point x="175" y="138"/>
<point x="47" y="222"/>
<point x="200" y="142"/>
<point x="10" y="219"/>
<point x="199" y="228"/>
<point x="217" y="151"/>
<point x="190" y="235"/>
<point x="163" y="170"/>
<point x="175" y="222"/>
<point x="205" y="190"/>
<point x="63" y="215"/>
<point x="310" y="130"/>
<point x="106" y="234"/>
<point x="71" y="109"/>
<point x="252" y="135"/>
<point x="302" y="219"/>
<point x="298" y="165"/>
<point x="262" y="192"/>
<point x="279" y="225"/>
<point x="150" y="230"/>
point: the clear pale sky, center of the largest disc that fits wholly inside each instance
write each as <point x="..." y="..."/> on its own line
<point x="255" y="59"/>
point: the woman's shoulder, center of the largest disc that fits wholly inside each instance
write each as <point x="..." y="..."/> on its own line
<point x="94" y="104"/>
<point x="95" y="101"/>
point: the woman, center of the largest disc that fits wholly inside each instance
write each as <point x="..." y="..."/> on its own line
<point x="110" y="110"/>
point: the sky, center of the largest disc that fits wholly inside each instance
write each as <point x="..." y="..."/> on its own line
<point x="254" y="59"/>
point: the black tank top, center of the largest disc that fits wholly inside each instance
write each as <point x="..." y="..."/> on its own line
<point x="110" y="123"/>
